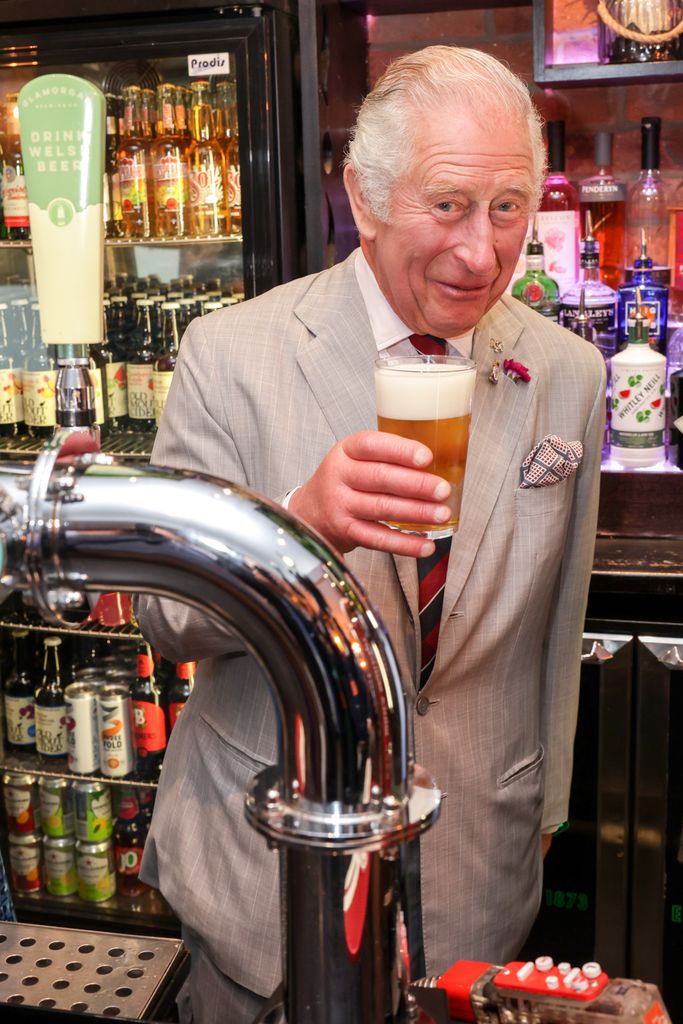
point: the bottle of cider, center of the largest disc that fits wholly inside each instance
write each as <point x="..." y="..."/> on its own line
<point x="39" y="383"/>
<point x="19" y="699"/>
<point x="14" y="194"/>
<point x="134" y="162"/>
<point x="51" y="704"/>
<point x="112" y="187"/>
<point x="11" y="408"/>
<point x="207" y="168"/>
<point x="228" y="137"/>
<point x="164" y="364"/>
<point x="140" y="366"/>
<point x="171" y="170"/>
<point x="149" y="717"/>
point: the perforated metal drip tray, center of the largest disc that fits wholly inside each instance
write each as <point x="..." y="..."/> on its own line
<point x="114" y="975"/>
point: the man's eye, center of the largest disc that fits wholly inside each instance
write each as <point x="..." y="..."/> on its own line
<point x="508" y="207"/>
<point x="445" y="206"/>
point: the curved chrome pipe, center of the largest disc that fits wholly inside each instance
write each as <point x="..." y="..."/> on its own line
<point x="344" y="781"/>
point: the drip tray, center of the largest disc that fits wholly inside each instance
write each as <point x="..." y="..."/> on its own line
<point x="88" y="972"/>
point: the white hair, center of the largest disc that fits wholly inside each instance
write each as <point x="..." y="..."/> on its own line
<point x="381" y="150"/>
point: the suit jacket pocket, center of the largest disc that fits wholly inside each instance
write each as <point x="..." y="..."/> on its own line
<point x="521" y="769"/>
<point x="249" y="759"/>
<point x="543" y="501"/>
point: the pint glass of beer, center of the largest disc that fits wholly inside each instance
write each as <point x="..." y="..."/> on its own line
<point x="429" y="399"/>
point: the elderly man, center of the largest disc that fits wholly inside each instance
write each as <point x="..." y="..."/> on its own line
<point x="442" y="173"/>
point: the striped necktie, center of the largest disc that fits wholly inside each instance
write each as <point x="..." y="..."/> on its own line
<point x="431" y="572"/>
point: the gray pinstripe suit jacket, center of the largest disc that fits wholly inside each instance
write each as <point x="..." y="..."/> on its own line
<point x="261" y="392"/>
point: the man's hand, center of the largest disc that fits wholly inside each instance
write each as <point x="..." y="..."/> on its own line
<point x="370" y="477"/>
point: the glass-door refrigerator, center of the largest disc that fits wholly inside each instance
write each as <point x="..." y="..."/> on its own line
<point x="203" y="208"/>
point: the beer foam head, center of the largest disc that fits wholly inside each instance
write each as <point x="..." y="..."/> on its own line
<point x="413" y="390"/>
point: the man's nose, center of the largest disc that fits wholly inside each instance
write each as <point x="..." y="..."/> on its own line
<point x="476" y="246"/>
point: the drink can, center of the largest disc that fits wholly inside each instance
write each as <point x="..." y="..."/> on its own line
<point x="25" y="861"/>
<point x="60" y="865"/>
<point x="96" y="871"/>
<point x="56" y="806"/>
<point x="21" y="802"/>
<point x="82" y="729"/>
<point x="93" y="811"/>
<point x="114" y="709"/>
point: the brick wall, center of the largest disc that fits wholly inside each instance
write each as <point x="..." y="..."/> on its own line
<point x="506" y="32"/>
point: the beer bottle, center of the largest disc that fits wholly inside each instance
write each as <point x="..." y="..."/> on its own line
<point x="149" y="717"/>
<point x="39" y="381"/>
<point x="50" y="704"/>
<point x="11" y="412"/>
<point x="180" y="689"/>
<point x="228" y="136"/>
<point x="14" y="194"/>
<point x="164" y="364"/>
<point x="140" y="366"/>
<point x="170" y="168"/>
<point x="133" y="163"/>
<point x="112" y="187"/>
<point x="207" y="168"/>
<point x="117" y="390"/>
<point x="19" y="695"/>
<point x="130" y="833"/>
<point x="97" y="365"/>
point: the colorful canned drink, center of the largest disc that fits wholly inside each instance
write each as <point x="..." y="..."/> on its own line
<point x="21" y="803"/>
<point x="82" y="730"/>
<point x="25" y="861"/>
<point x="93" y="811"/>
<point x="96" y="872"/>
<point x="56" y="806"/>
<point x="114" y="709"/>
<point x="60" y="865"/>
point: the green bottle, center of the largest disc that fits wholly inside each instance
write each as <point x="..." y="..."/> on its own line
<point x="535" y="288"/>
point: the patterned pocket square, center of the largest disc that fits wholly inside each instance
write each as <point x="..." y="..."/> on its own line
<point x="551" y="461"/>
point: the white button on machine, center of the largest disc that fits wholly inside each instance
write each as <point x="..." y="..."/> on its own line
<point x="524" y="972"/>
<point x="592" y="969"/>
<point x="552" y="981"/>
<point x="571" y="977"/>
<point x="544" y="963"/>
<point x="564" y="968"/>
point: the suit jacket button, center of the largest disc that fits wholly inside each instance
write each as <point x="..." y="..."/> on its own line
<point x="422" y="706"/>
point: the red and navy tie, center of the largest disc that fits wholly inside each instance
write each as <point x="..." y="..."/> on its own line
<point x="431" y="571"/>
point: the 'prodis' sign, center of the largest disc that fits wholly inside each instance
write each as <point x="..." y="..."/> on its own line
<point x="202" y="64"/>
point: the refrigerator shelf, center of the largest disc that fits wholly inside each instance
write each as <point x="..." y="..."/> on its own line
<point x="127" y="632"/>
<point x="7" y="243"/>
<point x="132" y="446"/>
<point x="34" y="764"/>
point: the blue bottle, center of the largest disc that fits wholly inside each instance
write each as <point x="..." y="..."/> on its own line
<point x="655" y="299"/>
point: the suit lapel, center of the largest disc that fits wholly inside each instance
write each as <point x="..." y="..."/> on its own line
<point x="337" y="359"/>
<point x="498" y="415"/>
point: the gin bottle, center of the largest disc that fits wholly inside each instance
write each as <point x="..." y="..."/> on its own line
<point x="653" y="300"/>
<point x="638" y="405"/>
<point x="600" y="300"/>
<point x="648" y="201"/>
<point x="535" y="288"/>
<point x="604" y="197"/>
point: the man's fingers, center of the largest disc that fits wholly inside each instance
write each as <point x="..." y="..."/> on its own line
<point x="384" y="507"/>
<point x="384" y="478"/>
<point x="379" y="446"/>
<point x="381" y="538"/>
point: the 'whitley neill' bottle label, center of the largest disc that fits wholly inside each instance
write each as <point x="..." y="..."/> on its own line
<point x="637" y="407"/>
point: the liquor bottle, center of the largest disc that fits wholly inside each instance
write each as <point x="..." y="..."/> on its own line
<point x="14" y="194"/>
<point x="180" y="690"/>
<point x="638" y="405"/>
<point x="112" y="187"/>
<point x="50" y="704"/>
<point x="133" y="163"/>
<point x="19" y="695"/>
<point x="140" y="368"/>
<point x="130" y="833"/>
<point x="11" y="412"/>
<point x="647" y="205"/>
<point x="657" y="20"/>
<point x="558" y="216"/>
<point x="148" y="112"/>
<point x="600" y="300"/>
<point x="171" y="171"/>
<point x="604" y="197"/>
<point x="676" y="419"/>
<point x="207" y="168"/>
<point x="149" y="717"/>
<point x="165" y="362"/>
<point x="653" y="301"/>
<point x="39" y="382"/>
<point x="183" y="104"/>
<point x="115" y="372"/>
<point x="227" y="130"/>
<point x="534" y="288"/>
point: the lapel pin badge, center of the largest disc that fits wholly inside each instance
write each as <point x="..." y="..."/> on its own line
<point x="495" y="371"/>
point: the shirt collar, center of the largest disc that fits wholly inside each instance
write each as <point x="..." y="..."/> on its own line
<point x="388" y="328"/>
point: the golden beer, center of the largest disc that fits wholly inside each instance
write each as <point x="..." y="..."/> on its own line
<point x="429" y="399"/>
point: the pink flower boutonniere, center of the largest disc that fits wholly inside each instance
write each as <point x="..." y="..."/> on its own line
<point x="516" y="371"/>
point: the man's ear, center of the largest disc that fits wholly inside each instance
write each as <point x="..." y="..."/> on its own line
<point x="366" y="222"/>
